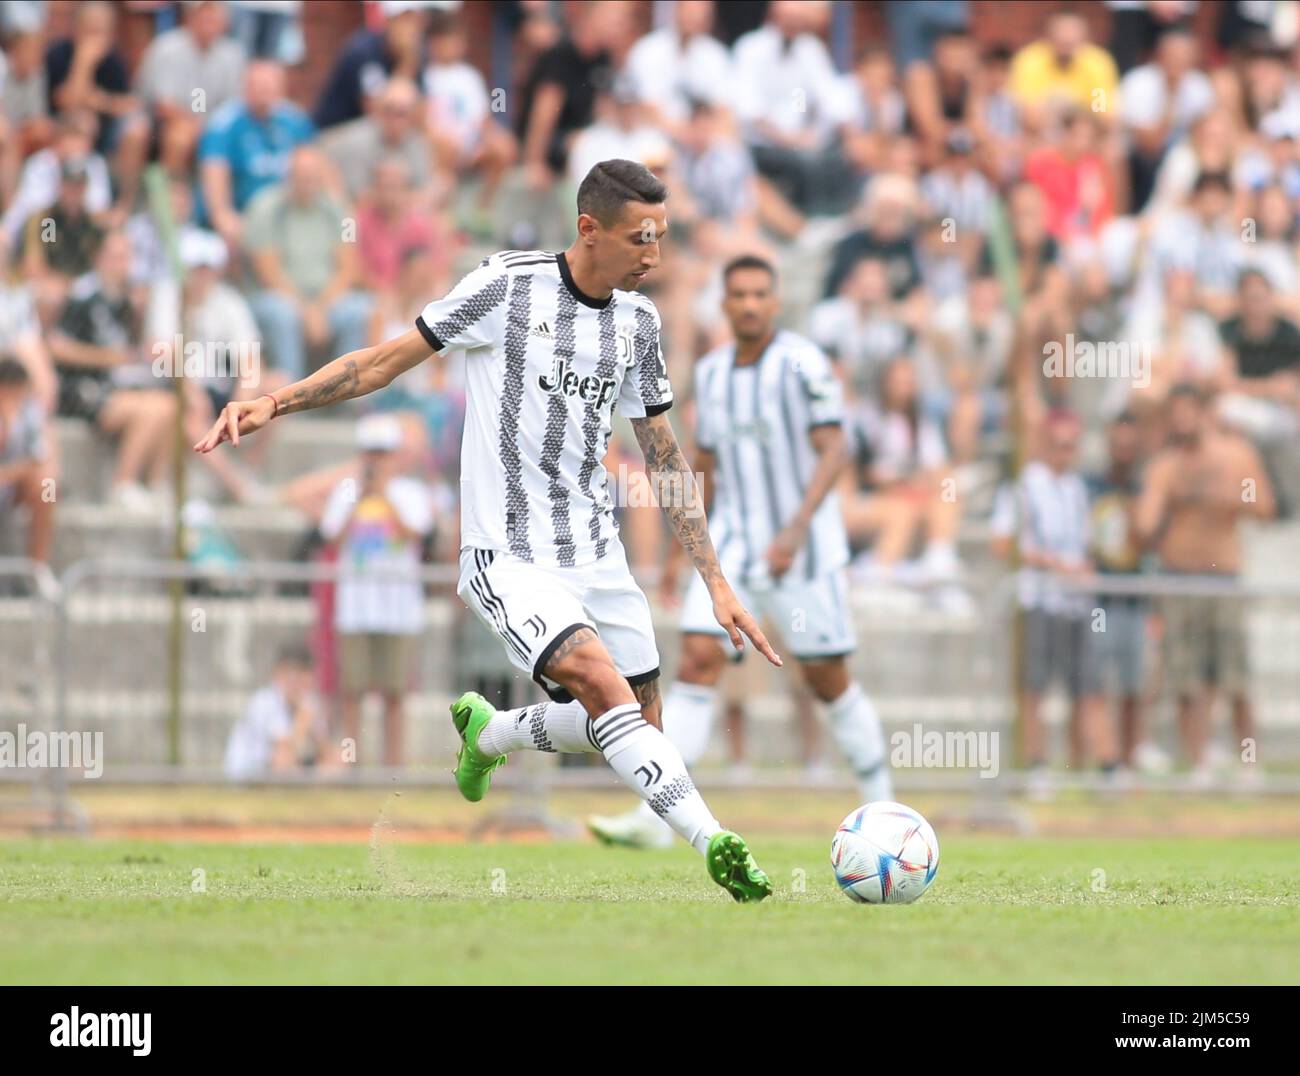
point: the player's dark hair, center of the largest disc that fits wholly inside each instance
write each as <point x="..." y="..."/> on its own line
<point x="611" y="184"/>
<point x="294" y="654"/>
<point x="748" y="261"/>
<point x="13" y="372"/>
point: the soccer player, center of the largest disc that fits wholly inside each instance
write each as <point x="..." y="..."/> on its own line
<point x="555" y="342"/>
<point x="770" y="446"/>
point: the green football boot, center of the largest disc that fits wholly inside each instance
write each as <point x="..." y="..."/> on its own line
<point x="733" y="868"/>
<point x="470" y="713"/>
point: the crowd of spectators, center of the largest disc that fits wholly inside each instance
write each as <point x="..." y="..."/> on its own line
<point x="950" y="212"/>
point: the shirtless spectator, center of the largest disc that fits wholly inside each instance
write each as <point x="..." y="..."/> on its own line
<point x="1196" y="492"/>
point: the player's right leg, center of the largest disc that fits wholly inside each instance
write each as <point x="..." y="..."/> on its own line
<point x="688" y="712"/>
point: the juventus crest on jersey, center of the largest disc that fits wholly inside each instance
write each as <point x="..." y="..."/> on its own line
<point x="755" y="420"/>
<point x="545" y="368"/>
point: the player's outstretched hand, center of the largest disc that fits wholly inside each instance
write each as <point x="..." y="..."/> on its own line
<point x="735" y="618"/>
<point x="238" y="418"/>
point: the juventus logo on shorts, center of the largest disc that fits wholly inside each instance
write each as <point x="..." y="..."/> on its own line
<point x="537" y="624"/>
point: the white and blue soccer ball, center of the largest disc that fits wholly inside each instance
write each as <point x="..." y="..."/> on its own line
<point x="885" y="853"/>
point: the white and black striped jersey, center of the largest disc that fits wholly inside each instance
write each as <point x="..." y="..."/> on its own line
<point x="756" y="420"/>
<point x="545" y="367"/>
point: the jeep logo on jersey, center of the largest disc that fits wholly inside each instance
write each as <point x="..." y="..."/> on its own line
<point x="564" y="380"/>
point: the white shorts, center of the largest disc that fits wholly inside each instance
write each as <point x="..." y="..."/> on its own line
<point x="811" y="616"/>
<point x="532" y="609"/>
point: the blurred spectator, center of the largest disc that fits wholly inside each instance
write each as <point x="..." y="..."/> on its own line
<point x="894" y="493"/>
<point x="1063" y="69"/>
<point x="1182" y="344"/>
<point x="560" y="94"/>
<point x="20" y="332"/>
<point x="210" y="320"/>
<point x="461" y="117"/>
<point x="190" y="72"/>
<point x="875" y="113"/>
<point x="268" y="29"/>
<point x="1161" y="101"/>
<point x="388" y="225"/>
<point x="38" y="182"/>
<point x="677" y="67"/>
<point x="620" y="130"/>
<point x="305" y="267"/>
<point x="379" y="523"/>
<point x="392" y="129"/>
<point x="25" y="474"/>
<point x="1116" y="551"/>
<point x="104" y="379"/>
<point x="60" y="243"/>
<point x="87" y="71"/>
<point x="1195" y="492"/>
<point x="915" y="29"/>
<point x="1046" y="517"/>
<point x="370" y="58"/>
<point x="246" y="147"/>
<point x="942" y="96"/>
<point x="788" y="100"/>
<point x="24" y="106"/>
<point x="1078" y="187"/>
<point x="971" y="337"/>
<point x="282" y="729"/>
<point x="1205" y="238"/>
<point x="1212" y="145"/>
<point x="1136" y="25"/>
<point x="1275" y="252"/>
<point x="888" y="218"/>
<point x="1275" y="160"/>
<point x="1262" y="379"/>
<point x="996" y="117"/>
<point x="863" y="327"/>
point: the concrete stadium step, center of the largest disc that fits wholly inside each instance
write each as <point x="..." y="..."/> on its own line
<point x="299" y="448"/>
<point x="94" y="531"/>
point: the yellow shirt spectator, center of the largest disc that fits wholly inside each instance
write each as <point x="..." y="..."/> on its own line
<point x="1037" y="76"/>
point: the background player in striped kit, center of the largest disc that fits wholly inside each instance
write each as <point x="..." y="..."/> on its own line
<point x="554" y="342"/>
<point x="771" y="446"/>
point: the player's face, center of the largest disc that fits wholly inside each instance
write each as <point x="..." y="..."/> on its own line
<point x="750" y="303"/>
<point x="626" y="252"/>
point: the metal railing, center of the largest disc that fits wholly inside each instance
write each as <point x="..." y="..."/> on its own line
<point x="89" y="652"/>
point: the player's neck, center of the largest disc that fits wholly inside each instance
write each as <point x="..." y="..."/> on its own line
<point x="582" y="274"/>
<point x="750" y="351"/>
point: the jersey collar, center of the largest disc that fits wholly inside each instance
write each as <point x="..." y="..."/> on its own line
<point x="575" y="291"/>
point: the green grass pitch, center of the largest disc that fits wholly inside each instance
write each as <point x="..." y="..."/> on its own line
<point x="1001" y="911"/>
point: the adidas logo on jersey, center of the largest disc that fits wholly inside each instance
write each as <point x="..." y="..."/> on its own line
<point x="542" y="330"/>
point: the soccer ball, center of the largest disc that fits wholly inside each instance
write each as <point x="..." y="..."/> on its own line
<point x="884" y="853"/>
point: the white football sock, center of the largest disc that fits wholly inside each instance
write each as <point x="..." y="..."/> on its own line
<point x="688" y="721"/>
<point x="646" y="760"/>
<point x="855" y="726"/>
<point x="546" y="726"/>
<point x="688" y="718"/>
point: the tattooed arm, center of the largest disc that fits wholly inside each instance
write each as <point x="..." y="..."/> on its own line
<point x="354" y="374"/>
<point x="680" y="498"/>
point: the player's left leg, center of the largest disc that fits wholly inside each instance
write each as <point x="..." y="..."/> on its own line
<point x="815" y="620"/>
<point x="688" y="705"/>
